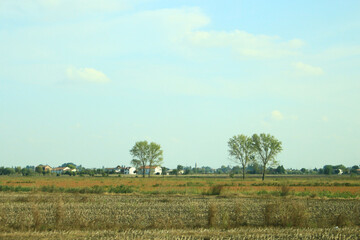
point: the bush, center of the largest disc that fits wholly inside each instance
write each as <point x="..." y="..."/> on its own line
<point x="342" y="220"/>
<point x="212" y="215"/>
<point x="121" y="189"/>
<point x="286" y="214"/>
<point x="214" y="190"/>
<point x="285" y="190"/>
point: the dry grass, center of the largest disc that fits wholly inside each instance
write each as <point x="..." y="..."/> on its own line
<point x="199" y="185"/>
<point x="247" y="233"/>
<point x="286" y="213"/>
<point x="179" y="208"/>
<point x="212" y="215"/>
<point x="54" y="211"/>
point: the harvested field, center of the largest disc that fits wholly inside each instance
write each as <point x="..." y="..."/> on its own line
<point x="53" y="211"/>
<point x="178" y="208"/>
<point x="245" y="233"/>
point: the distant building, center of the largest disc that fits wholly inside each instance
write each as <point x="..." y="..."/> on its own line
<point x="61" y="170"/>
<point x="128" y="170"/>
<point x="155" y="170"/>
<point x="45" y="168"/>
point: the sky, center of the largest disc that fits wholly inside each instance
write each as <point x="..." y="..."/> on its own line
<point x="82" y="80"/>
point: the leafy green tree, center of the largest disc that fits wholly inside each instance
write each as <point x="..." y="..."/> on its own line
<point x="266" y="148"/>
<point x="236" y="170"/>
<point x="187" y="170"/>
<point x="341" y="167"/>
<point x="280" y="169"/>
<point x="328" y="169"/>
<point x="254" y="168"/>
<point x="146" y="153"/>
<point x="354" y="169"/>
<point x="155" y="155"/>
<point x="69" y="165"/>
<point x="164" y="170"/>
<point x="39" y="169"/>
<point x="178" y="169"/>
<point x="240" y="150"/>
<point x="18" y="170"/>
<point x="6" y="171"/>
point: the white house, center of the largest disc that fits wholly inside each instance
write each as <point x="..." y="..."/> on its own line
<point x="60" y="170"/>
<point x="129" y="170"/>
<point x="155" y="170"/>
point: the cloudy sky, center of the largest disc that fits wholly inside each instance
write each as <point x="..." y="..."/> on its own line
<point x="82" y="80"/>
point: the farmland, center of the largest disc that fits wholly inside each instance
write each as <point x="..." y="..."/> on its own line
<point x="179" y="207"/>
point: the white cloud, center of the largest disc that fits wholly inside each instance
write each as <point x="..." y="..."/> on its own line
<point x="86" y="75"/>
<point x="246" y="44"/>
<point x="308" y="69"/>
<point x="179" y="30"/>
<point x="277" y="115"/>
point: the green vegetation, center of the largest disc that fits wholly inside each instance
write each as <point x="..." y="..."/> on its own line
<point x="144" y="154"/>
<point x="266" y="148"/>
<point x="241" y="150"/>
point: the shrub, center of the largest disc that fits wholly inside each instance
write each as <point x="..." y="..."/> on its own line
<point x="285" y="190"/>
<point x="342" y="220"/>
<point x="59" y="213"/>
<point x="212" y="215"/>
<point x="214" y="190"/>
<point x="37" y="218"/>
<point x="286" y="214"/>
<point x="238" y="217"/>
<point x="121" y="189"/>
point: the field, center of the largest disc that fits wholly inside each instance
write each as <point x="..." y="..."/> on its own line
<point x="179" y="208"/>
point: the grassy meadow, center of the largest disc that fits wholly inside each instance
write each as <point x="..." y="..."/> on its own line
<point x="183" y="207"/>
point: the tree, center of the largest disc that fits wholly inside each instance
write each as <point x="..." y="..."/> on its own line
<point x="240" y="150"/>
<point x="155" y="155"/>
<point x="164" y="170"/>
<point x="18" y="170"/>
<point x="354" y="169"/>
<point x="145" y="153"/>
<point x="328" y="169"/>
<point x="254" y="168"/>
<point x="39" y="169"/>
<point x="266" y="148"/>
<point x="178" y="169"/>
<point x="280" y="169"/>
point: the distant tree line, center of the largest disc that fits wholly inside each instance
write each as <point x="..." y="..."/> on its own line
<point x="254" y="154"/>
<point x="254" y="168"/>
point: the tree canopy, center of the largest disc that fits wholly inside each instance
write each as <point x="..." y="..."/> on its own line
<point x="266" y="148"/>
<point x="144" y="154"/>
<point x="241" y="150"/>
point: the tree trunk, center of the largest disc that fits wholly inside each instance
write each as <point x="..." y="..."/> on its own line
<point x="243" y="172"/>
<point x="149" y="170"/>
<point x="143" y="171"/>
<point x="263" y="175"/>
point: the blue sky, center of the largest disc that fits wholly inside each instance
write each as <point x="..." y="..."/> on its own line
<point x="82" y="81"/>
